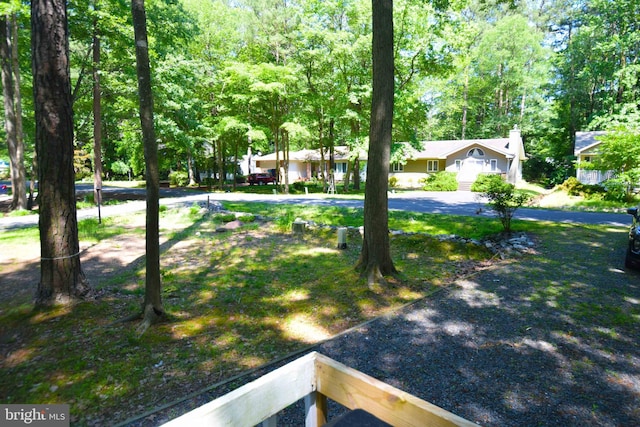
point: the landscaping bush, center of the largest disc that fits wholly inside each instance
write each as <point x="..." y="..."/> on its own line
<point x="312" y="185"/>
<point x="298" y="185"/>
<point x="247" y="218"/>
<point x="617" y="190"/>
<point x="573" y="187"/>
<point x="179" y="178"/>
<point x="440" y="181"/>
<point x="225" y="217"/>
<point x="393" y="181"/>
<point x="120" y="169"/>
<point x="484" y="181"/>
<point x="504" y="199"/>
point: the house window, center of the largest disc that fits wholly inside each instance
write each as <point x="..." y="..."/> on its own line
<point x="475" y="152"/>
<point x="494" y="165"/>
<point x="587" y="158"/>
<point x="432" y="166"/>
<point x="341" y="167"/>
<point x="397" y="167"/>
<point x="458" y="164"/>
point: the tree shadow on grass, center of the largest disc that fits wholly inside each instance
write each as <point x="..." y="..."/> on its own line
<point x="236" y="301"/>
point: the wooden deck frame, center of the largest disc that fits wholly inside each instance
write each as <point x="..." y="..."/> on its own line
<point x="316" y="378"/>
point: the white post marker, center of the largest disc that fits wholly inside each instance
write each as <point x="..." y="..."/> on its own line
<point x="342" y="238"/>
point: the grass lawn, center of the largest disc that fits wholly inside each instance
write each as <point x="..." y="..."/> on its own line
<point x="236" y="300"/>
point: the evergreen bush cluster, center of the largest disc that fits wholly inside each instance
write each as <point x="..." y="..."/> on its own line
<point x="440" y="181"/>
<point x="484" y="181"/>
<point x="179" y="178"/>
<point x="614" y="189"/>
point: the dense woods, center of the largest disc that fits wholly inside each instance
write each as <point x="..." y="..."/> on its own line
<point x="275" y="75"/>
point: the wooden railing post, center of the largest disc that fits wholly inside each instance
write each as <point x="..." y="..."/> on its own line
<point x="315" y="405"/>
<point x="270" y="422"/>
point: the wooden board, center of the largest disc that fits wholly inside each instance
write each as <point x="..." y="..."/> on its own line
<point x="354" y="389"/>
<point x="255" y="402"/>
<point x="315" y="377"/>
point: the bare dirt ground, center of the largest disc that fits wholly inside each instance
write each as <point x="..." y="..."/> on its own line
<point x="20" y="262"/>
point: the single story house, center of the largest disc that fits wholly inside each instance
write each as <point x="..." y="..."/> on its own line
<point x="586" y="149"/>
<point x="468" y="158"/>
<point x="305" y="164"/>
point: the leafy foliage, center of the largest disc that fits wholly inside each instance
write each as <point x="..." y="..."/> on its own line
<point x="504" y="199"/>
<point x="440" y="181"/>
<point x="573" y="187"/>
<point x="485" y="181"/>
<point x="620" y="153"/>
<point x="179" y="178"/>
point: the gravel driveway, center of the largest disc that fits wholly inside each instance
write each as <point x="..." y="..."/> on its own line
<point x="547" y="341"/>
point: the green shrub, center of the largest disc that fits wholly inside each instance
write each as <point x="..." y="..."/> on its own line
<point x="120" y="168"/>
<point x="225" y="217"/>
<point x="484" y="181"/>
<point x="194" y="210"/>
<point x="283" y="222"/>
<point x="298" y="185"/>
<point x="89" y="198"/>
<point x="504" y="199"/>
<point x="617" y="190"/>
<point x="179" y="178"/>
<point x="393" y="181"/>
<point x="209" y="181"/>
<point x="440" y="181"/>
<point x="573" y="187"/>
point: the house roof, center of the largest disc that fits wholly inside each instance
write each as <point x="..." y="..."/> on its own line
<point x="341" y="152"/>
<point x="443" y="149"/>
<point x="586" y="141"/>
<point x="430" y="149"/>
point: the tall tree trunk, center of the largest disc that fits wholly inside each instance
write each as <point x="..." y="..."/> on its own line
<point x="285" y="159"/>
<point x="235" y="165"/>
<point x="190" y="170"/>
<point x="220" y="162"/>
<point x="17" y="96"/>
<point x="356" y="172"/>
<point x="323" y="164"/>
<point x="14" y="142"/>
<point x="332" y="158"/>
<point x="465" y="103"/>
<point x="152" y="306"/>
<point x="276" y="144"/>
<point x="61" y="276"/>
<point x="346" y="178"/>
<point x="355" y="134"/>
<point x="375" y="258"/>
<point x="97" y="119"/>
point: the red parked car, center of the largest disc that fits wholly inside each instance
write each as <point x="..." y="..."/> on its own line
<point x="260" y="178"/>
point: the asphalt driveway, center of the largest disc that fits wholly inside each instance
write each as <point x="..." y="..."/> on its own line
<point x="453" y="203"/>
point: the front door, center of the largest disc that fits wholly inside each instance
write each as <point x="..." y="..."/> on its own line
<point x="470" y="169"/>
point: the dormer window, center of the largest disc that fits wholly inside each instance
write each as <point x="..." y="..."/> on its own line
<point x="475" y="152"/>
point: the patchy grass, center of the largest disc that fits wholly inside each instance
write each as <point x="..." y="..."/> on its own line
<point x="236" y="300"/>
<point x="412" y="222"/>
